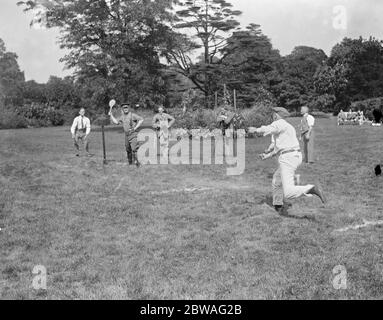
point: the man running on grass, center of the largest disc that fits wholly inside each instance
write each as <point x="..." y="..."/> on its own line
<point x="130" y="122"/>
<point x="80" y="131"/>
<point x="285" y="145"/>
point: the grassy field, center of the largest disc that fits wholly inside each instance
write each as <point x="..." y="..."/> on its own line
<point x="117" y="232"/>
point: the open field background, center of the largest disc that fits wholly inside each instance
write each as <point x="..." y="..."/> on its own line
<point x="116" y="232"/>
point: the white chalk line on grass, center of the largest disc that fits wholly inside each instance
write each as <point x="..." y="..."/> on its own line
<point x="119" y="185"/>
<point x="183" y="190"/>
<point x="197" y="190"/>
<point x="360" y="226"/>
<point x="180" y="190"/>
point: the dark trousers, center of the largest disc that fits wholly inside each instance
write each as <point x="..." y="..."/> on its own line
<point x="131" y="146"/>
<point x="308" y="148"/>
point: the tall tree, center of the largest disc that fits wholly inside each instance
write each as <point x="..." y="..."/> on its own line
<point x="248" y="64"/>
<point x="360" y="62"/>
<point x="61" y="93"/>
<point x="115" y="43"/>
<point x="298" y="70"/>
<point x="34" y="92"/>
<point x="11" y="78"/>
<point x="209" y="22"/>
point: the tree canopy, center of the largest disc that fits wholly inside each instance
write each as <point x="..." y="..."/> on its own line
<point x="151" y="52"/>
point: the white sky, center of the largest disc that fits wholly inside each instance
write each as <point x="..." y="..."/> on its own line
<point x="288" y="23"/>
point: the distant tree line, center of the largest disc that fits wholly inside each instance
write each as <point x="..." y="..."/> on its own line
<point x="152" y="52"/>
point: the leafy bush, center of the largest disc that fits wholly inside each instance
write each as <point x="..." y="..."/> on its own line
<point x="368" y="106"/>
<point x="9" y="119"/>
<point x="200" y="118"/>
<point x="206" y="118"/>
<point x="40" y="115"/>
<point x="258" y="115"/>
<point x="324" y="102"/>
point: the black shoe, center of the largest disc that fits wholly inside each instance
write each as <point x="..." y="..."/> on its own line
<point x="319" y="193"/>
<point x="130" y="159"/>
<point x="282" y="211"/>
<point x="77" y="154"/>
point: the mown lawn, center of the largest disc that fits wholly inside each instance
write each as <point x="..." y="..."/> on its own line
<point x="117" y="232"/>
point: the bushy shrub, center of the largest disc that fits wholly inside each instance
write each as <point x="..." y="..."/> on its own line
<point x="324" y="103"/>
<point x="10" y="119"/>
<point x="368" y="106"/>
<point x="200" y="118"/>
<point x="40" y="115"/>
<point x="258" y="115"/>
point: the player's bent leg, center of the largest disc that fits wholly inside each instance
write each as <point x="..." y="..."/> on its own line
<point x="278" y="193"/>
<point x="288" y="164"/>
<point x="277" y="188"/>
<point x="317" y="191"/>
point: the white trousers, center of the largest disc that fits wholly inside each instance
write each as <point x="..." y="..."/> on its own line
<point x="283" y="183"/>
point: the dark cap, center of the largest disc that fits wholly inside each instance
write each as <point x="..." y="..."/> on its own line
<point x="281" y="112"/>
<point x="125" y="105"/>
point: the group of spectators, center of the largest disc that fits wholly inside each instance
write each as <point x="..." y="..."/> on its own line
<point x="358" y="118"/>
<point x="351" y="117"/>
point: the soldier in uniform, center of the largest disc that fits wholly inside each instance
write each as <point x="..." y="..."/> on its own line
<point x="130" y="122"/>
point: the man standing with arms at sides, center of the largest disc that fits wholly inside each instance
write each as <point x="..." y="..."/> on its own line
<point x="130" y="122"/>
<point x="307" y="134"/>
<point x="80" y="131"/>
<point x="162" y="122"/>
<point x="285" y="145"/>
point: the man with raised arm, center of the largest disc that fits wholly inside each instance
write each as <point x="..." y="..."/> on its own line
<point x="130" y="122"/>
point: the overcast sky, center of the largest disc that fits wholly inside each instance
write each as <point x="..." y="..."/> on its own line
<point x="288" y="23"/>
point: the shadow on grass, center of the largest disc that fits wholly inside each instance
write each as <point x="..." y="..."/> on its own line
<point x="268" y="200"/>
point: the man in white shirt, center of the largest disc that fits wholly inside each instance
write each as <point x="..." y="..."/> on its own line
<point x="80" y="131"/>
<point x="307" y="134"/>
<point x="286" y="145"/>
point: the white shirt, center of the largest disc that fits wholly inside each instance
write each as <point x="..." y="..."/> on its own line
<point x="283" y="134"/>
<point x="310" y="120"/>
<point x="78" y="124"/>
